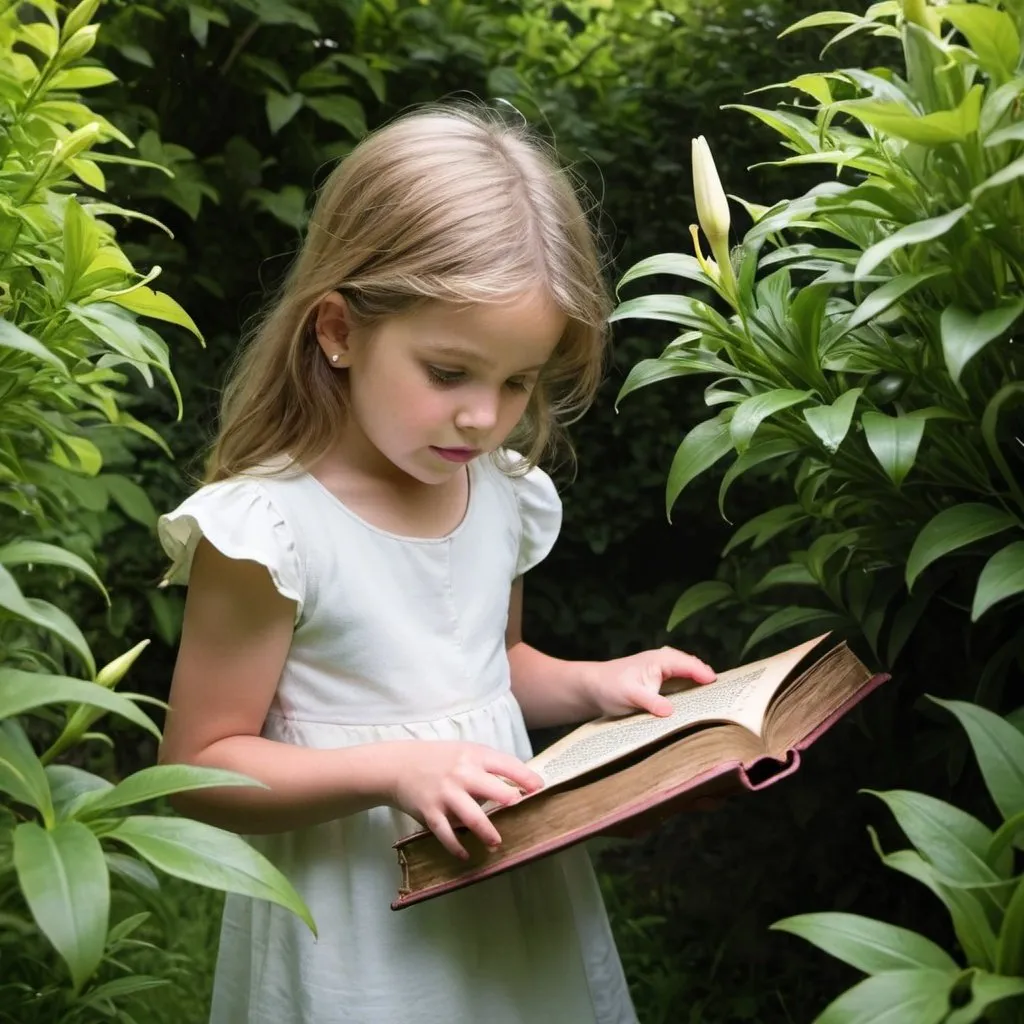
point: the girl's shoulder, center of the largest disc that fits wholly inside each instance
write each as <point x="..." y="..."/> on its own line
<point x="533" y="501"/>
<point x="244" y="517"/>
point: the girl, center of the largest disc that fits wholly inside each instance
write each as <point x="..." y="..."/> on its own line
<point x="355" y="563"/>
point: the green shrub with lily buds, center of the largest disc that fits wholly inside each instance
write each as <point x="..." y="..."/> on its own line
<point x="74" y="346"/>
<point x="861" y="342"/>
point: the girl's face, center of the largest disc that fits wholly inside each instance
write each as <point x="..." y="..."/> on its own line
<point x="435" y="388"/>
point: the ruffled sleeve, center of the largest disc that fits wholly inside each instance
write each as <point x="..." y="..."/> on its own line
<point x="540" y="514"/>
<point x="238" y="518"/>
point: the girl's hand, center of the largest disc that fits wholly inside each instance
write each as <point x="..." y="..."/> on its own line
<point x="439" y="782"/>
<point x="627" y="684"/>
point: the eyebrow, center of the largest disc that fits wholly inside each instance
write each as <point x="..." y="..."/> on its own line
<point x="469" y="355"/>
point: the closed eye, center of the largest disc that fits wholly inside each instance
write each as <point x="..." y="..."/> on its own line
<point x="442" y="377"/>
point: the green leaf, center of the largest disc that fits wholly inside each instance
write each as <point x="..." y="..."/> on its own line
<point x="131" y="498"/>
<point x="677" y="309"/>
<point x="676" y="263"/>
<point x="751" y="412"/>
<point x="29" y="552"/>
<point x="999" y="750"/>
<point x="1010" y="833"/>
<point x="954" y="528"/>
<point x="888" y="295"/>
<point x="340" y="110"/>
<point x="700" y="450"/>
<point x="786" y="575"/>
<point x="765" y="526"/>
<point x="44" y="615"/>
<point x="965" y="334"/>
<point x="1010" y="946"/>
<point x="21" y="772"/>
<point x="698" y="597"/>
<point x="1011" y="172"/>
<point x="25" y="691"/>
<point x="281" y="109"/>
<point x="823" y="19"/>
<point x="870" y="946"/>
<point x="787" y="618"/>
<point x="1002" y="577"/>
<point x="986" y="989"/>
<point x="154" y="782"/>
<point x="991" y="34"/>
<point x="989" y="432"/>
<point x="912" y="234"/>
<point x="14" y="337"/>
<point x="65" y="882"/>
<point x="831" y="423"/>
<point x="81" y="241"/>
<point x="146" y="302"/>
<point x="894" y="441"/>
<point x="673" y="364"/>
<point x="952" y="840"/>
<point x="211" y="857"/>
<point x="939" y="128"/>
<point x="752" y="457"/>
<point x="896" y="997"/>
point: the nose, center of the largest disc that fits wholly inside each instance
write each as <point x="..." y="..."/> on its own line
<point x="479" y="410"/>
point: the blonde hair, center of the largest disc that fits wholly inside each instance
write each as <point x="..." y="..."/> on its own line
<point x="443" y="204"/>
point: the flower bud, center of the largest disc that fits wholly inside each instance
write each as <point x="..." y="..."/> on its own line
<point x="712" y="204"/>
<point x="916" y="12"/>
<point x="80" y="139"/>
<point x="79" y="44"/>
<point x="113" y="672"/>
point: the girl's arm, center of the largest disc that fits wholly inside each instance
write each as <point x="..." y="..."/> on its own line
<point x="235" y="637"/>
<point x="551" y="691"/>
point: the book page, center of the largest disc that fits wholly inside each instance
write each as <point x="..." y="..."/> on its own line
<point x="741" y="695"/>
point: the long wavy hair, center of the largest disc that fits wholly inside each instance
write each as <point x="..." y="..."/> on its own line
<point x="443" y="204"/>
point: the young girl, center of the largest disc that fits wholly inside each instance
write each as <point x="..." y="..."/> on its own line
<point x="355" y="564"/>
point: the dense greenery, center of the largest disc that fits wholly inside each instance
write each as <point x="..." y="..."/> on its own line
<point x="237" y="109"/>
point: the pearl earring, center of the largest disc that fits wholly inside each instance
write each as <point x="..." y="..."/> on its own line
<point x="334" y="358"/>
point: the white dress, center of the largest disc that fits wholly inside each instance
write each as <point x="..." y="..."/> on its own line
<point x="399" y="638"/>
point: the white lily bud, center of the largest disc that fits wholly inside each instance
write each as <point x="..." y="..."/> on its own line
<point x="113" y="672"/>
<point x="713" y="212"/>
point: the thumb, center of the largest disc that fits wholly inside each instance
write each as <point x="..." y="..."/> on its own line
<point x="652" y="701"/>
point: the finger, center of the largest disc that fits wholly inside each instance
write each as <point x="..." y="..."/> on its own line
<point x="650" y="700"/>
<point x="513" y="769"/>
<point x="490" y="787"/>
<point x="442" y="828"/>
<point x="679" y="664"/>
<point x="470" y="814"/>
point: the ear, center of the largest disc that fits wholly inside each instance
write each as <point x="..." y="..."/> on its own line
<point x="334" y="330"/>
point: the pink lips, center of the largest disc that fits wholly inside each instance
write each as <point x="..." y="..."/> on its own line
<point x="456" y="454"/>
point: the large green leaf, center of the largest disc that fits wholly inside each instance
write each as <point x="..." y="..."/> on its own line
<point x="991" y="34"/>
<point x="986" y="989"/>
<point x="25" y="691"/>
<point x="147" y="302"/>
<point x="751" y="412"/>
<point x="1010" y="946"/>
<point x="281" y="108"/>
<point x="677" y="309"/>
<point x="970" y="921"/>
<point x="790" y="618"/>
<point x="763" y="527"/>
<point x="21" y="772"/>
<point x="13" y="337"/>
<point x="37" y="552"/>
<point x="755" y="455"/>
<point x="894" y="440"/>
<point x="1002" y="577"/>
<point x="44" y="615"/>
<point x="888" y="295"/>
<point x="211" y="857"/>
<point x="700" y="449"/>
<point x="897" y="997"/>
<point x="912" y="234"/>
<point x="954" y="842"/>
<point x="990" y="432"/>
<point x="965" y="334"/>
<point x="676" y="263"/>
<point x="152" y="783"/>
<point x="999" y="750"/>
<point x="698" y="597"/>
<point x="870" y="946"/>
<point x="935" y="129"/>
<point x="831" y="423"/>
<point x="1010" y="173"/>
<point x="66" y="885"/>
<point x="340" y="110"/>
<point x="955" y="528"/>
<point x="677" y="363"/>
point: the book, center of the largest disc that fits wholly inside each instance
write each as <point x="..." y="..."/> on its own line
<point x="613" y="776"/>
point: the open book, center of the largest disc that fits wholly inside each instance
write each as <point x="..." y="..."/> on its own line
<point x="613" y="775"/>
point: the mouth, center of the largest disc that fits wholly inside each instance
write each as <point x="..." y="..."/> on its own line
<point x="456" y="454"/>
